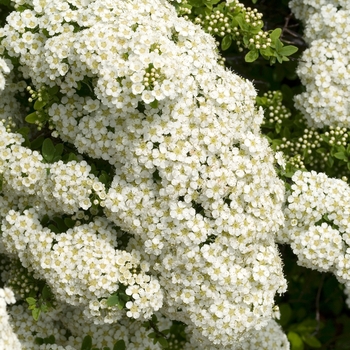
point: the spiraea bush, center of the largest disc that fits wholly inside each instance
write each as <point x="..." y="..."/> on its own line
<point x="149" y="195"/>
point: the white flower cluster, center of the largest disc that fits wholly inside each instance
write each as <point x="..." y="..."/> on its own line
<point x="194" y="183"/>
<point x="55" y="188"/>
<point x="270" y="337"/>
<point x="318" y="223"/>
<point x="54" y="323"/>
<point x="324" y="66"/>
<point x="82" y="266"/>
<point x="49" y="324"/>
<point x="8" y="339"/>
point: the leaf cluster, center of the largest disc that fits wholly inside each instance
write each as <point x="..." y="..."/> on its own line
<point x="241" y="32"/>
<point x="119" y="298"/>
<point x="42" y="302"/>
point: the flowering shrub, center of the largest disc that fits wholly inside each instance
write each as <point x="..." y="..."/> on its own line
<point x="158" y="194"/>
<point x="144" y="187"/>
<point x="324" y="65"/>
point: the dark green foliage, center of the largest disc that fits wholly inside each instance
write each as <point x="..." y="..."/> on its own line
<point x="313" y="311"/>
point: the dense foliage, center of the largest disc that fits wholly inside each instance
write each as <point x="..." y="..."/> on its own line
<point x="174" y="174"/>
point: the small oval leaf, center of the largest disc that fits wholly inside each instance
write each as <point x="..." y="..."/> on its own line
<point x="31" y="118"/>
<point x="48" y="150"/>
<point x="119" y="345"/>
<point x="226" y="42"/>
<point x="36" y="313"/>
<point x="287" y="50"/>
<point x="251" y="56"/>
<point x="312" y="341"/>
<point x="87" y="343"/>
<point x="296" y="342"/>
<point x="275" y="34"/>
<point x="113" y="300"/>
<point x="38" y="105"/>
<point x="163" y="342"/>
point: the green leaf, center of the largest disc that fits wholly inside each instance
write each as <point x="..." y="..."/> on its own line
<point x="341" y="155"/>
<point x="312" y="341"/>
<point x="69" y="222"/>
<point x="278" y="127"/>
<point x="39" y="341"/>
<point x="307" y="326"/>
<point x="321" y="150"/>
<point x="38" y="105"/>
<point x="59" y="149"/>
<point x="154" y="104"/>
<point x="196" y="3"/>
<point x="286" y="313"/>
<point x="239" y="20"/>
<point x="278" y="46"/>
<point x="31" y="301"/>
<point x="46" y="293"/>
<point x="36" y="313"/>
<point x="267" y="52"/>
<point x="279" y="58"/>
<point x="226" y="42"/>
<point x="124" y="296"/>
<point x="274" y="36"/>
<point x="60" y="224"/>
<point x="103" y="178"/>
<point x="119" y="345"/>
<point x="272" y="60"/>
<point x="295" y="341"/>
<point x="48" y="150"/>
<point x="213" y="2"/>
<point x="163" y="342"/>
<point x="37" y="143"/>
<point x="87" y="343"/>
<point x="52" y="91"/>
<point x="50" y="340"/>
<point x="31" y="118"/>
<point x="69" y="157"/>
<point x="152" y="335"/>
<point x="324" y="138"/>
<point x="53" y="228"/>
<point x="45" y="220"/>
<point x="287" y="50"/>
<point x="208" y="5"/>
<point x="252" y="55"/>
<point x="261" y="100"/>
<point x="113" y="300"/>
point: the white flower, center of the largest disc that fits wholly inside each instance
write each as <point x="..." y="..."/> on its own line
<point x="280" y="159"/>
